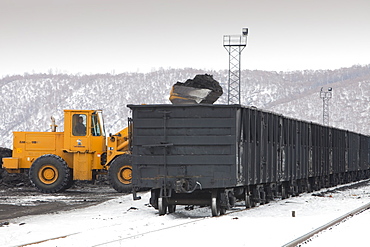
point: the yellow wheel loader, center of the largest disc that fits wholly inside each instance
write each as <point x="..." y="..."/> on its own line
<point x="55" y="159"/>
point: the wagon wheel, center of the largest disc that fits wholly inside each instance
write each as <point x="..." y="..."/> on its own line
<point x="216" y="207"/>
<point x="222" y="211"/>
<point x="50" y="174"/>
<point x="120" y="173"/>
<point x="162" y="206"/>
<point x="247" y="199"/>
<point x="309" y="187"/>
<point x="262" y="197"/>
<point x="171" y="209"/>
<point x="154" y="198"/>
<point x="253" y="202"/>
<point x="284" y="194"/>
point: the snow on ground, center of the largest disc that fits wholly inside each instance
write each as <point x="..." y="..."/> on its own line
<point x="124" y="222"/>
<point x="32" y="200"/>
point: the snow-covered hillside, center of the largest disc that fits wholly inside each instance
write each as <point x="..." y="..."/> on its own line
<point x="28" y="101"/>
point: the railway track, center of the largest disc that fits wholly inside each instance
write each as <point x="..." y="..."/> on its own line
<point x="309" y="236"/>
<point x="140" y="234"/>
<point x="127" y="229"/>
<point x="44" y="241"/>
<point x="296" y="242"/>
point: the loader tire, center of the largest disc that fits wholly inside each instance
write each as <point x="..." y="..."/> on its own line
<point x="120" y="174"/>
<point x="50" y="174"/>
<point x="71" y="182"/>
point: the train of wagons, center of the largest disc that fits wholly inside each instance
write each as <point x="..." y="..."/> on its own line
<point x="214" y="155"/>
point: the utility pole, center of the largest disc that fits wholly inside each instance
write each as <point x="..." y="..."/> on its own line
<point x="325" y="95"/>
<point x="235" y="44"/>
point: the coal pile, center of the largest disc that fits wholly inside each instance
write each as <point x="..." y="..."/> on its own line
<point x="10" y="180"/>
<point x="203" y="89"/>
<point x="5" y="152"/>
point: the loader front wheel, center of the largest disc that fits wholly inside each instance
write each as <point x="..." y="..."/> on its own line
<point x="50" y="174"/>
<point x="120" y="173"/>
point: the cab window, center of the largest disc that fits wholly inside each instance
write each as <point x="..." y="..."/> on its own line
<point x="95" y="126"/>
<point x="79" y="124"/>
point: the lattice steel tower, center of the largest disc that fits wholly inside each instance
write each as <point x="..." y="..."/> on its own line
<point x="235" y="44"/>
<point x="325" y="95"/>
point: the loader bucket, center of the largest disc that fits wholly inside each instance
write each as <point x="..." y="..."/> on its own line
<point x="203" y="89"/>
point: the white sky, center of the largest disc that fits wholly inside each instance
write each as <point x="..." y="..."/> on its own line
<point x="102" y="36"/>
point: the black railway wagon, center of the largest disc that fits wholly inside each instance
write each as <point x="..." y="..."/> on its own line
<point x="216" y="154"/>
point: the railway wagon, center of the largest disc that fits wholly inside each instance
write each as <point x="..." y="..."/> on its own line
<point x="213" y="155"/>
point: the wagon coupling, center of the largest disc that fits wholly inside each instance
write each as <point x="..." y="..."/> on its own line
<point x="186" y="186"/>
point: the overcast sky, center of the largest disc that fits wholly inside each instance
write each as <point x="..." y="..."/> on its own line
<point x="104" y="36"/>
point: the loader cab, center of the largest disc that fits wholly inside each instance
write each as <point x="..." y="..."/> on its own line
<point x="84" y="137"/>
<point x="84" y="130"/>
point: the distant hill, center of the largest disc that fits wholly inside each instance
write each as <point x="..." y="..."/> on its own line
<point x="27" y="101"/>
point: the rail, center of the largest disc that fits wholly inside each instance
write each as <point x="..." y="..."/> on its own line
<point x="309" y="235"/>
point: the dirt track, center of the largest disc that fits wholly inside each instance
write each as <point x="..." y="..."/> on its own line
<point x="22" y="201"/>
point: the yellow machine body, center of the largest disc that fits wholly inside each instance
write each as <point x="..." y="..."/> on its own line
<point x="82" y="151"/>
